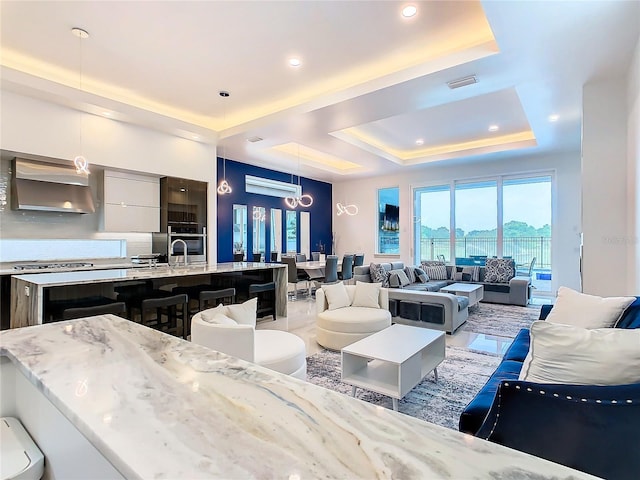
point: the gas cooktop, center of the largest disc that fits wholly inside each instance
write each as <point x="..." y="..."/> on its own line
<point x="44" y="266"/>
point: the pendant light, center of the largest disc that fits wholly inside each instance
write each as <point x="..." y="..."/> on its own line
<point x="305" y="200"/>
<point x="80" y="162"/>
<point x="224" y="187"/>
<point x="349" y="209"/>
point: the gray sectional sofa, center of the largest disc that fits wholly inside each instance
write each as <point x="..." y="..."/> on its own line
<point x="422" y="303"/>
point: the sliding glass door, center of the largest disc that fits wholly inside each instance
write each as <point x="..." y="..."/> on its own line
<point x="432" y="208"/>
<point x="506" y="217"/>
<point x="476" y="220"/>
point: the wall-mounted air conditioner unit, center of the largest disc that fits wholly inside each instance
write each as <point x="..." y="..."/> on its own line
<point x="273" y="188"/>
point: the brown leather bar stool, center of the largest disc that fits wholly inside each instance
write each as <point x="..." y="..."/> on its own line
<point x="116" y="308"/>
<point x="169" y="309"/>
<point x="210" y="298"/>
<point x="266" y="294"/>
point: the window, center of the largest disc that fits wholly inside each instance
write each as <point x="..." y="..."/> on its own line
<point x="526" y="230"/>
<point x="432" y="207"/>
<point x="507" y="217"/>
<point x="292" y="232"/>
<point x="388" y="221"/>
<point x="476" y="220"/>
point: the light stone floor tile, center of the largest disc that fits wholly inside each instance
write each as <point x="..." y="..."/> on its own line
<point x="301" y="321"/>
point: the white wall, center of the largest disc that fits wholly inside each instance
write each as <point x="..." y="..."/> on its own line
<point x="633" y="174"/>
<point x="605" y="198"/>
<point x="358" y="233"/>
<point x="38" y="127"/>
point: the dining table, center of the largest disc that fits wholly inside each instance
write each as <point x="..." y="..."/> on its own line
<point x="315" y="270"/>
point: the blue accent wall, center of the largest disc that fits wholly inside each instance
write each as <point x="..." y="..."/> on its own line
<point x="320" y="212"/>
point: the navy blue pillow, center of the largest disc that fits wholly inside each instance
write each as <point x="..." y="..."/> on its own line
<point x="631" y="316"/>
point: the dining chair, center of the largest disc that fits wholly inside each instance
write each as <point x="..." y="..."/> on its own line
<point x="331" y="269"/>
<point x="257" y="257"/>
<point x="238" y="257"/>
<point x="315" y="256"/>
<point x="301" y="257"/>
<point x="358" y="260"/>
<point x="274" y="257"/>
<point x="294" y="276"/>
<point x="346" y="272"/>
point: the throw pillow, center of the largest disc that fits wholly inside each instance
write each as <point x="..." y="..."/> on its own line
<point x="411" y="274"/>
<point x="336" y="295"/>
<point x="367" y="295"/>
<point x="216" y="316"/>
<point x="431" y="263"/>
<point x="421" y="275"/>
<point x="398" y="278"/>
<point x="209" y="314"/>
<point x="579" y="356"/>
<point x="587" y="311"/>
<point x="244" y="313"/>
<point x="465" y="274"/>
<point x="435" y="272"/>
<point x="499" y="270"/>
<point x="378" y="274"/>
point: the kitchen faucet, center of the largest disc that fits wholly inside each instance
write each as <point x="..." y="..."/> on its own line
<point x="184" y="244"/>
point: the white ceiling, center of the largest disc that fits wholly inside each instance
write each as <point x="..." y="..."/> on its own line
<point x="371" y="82"/>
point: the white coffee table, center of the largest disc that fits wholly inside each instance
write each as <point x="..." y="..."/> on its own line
<point x="474" y="292"/>
<point x="393" y="361"/>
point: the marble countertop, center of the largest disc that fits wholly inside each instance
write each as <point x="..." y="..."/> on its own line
<point x="202" y="414"/>
<point x="138" y="273"/>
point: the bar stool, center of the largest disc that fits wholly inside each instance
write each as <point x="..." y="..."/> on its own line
<point x="55" y="309"/>
<point x="238" y="257"/>
<point x="132" y="293"/>
<point x="266" y="294"/>
<point x="193" y="292"/>
<point x="257" y="257"/>
<point x="207" y="297"/>
<point x="153" y="310"/>
<point x="116" y="308"/>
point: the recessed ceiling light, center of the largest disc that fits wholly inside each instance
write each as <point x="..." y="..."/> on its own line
<point x="106" y="114"/>
<point x="494" y="128"/>
<point x="420" y="142"/>
<point x="409" y="11"/>
<point x="554" y="117"/>
<point x="295" y="62"/>
<point x="195" y="137"/>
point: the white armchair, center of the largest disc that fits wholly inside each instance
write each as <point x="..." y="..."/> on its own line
<point x="277" y="350"/>
<point x="355" y="319"/>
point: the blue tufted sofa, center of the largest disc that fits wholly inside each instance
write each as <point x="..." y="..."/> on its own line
<point x="590" y="428"/>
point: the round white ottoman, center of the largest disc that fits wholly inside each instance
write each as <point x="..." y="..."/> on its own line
<point x="281" y="351"/>
<point x="338" y="328"/>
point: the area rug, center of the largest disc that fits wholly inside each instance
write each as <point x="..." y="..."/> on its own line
<point x="460" y="376"/>
<point x="500" y="320"/>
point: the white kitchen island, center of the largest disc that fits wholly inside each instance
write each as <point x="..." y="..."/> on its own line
<point x="29" y="291"/>
<point x="151" y="406"/>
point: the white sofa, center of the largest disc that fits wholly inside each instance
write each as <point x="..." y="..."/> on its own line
<point x="338" y="328"/>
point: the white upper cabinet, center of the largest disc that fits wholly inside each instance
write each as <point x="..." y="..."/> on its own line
<point x="131" y="202"/>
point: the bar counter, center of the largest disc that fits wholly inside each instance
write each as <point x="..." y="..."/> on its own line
<point x="28" y="289"/>
<point x="156" y="406"/>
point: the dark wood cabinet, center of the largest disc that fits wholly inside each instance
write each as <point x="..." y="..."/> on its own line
<point x="183" y="205"/>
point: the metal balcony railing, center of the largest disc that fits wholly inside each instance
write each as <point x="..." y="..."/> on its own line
<point x="521" y="249"/>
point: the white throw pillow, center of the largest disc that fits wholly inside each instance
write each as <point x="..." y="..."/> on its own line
<point x="587" y="311"/>
<point x="208" y="314"/>
<point x="220" y="319"/>
<point x="337" y="296"/>
<point x="579" y="356"/>
<point x="244" y="313"/>
<point x="367" y="295"/>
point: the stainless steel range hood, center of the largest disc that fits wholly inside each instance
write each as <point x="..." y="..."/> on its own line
<point x="50" y="187"/>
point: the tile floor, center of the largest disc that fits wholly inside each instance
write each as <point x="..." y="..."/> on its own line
<point x="301" y="321"/>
